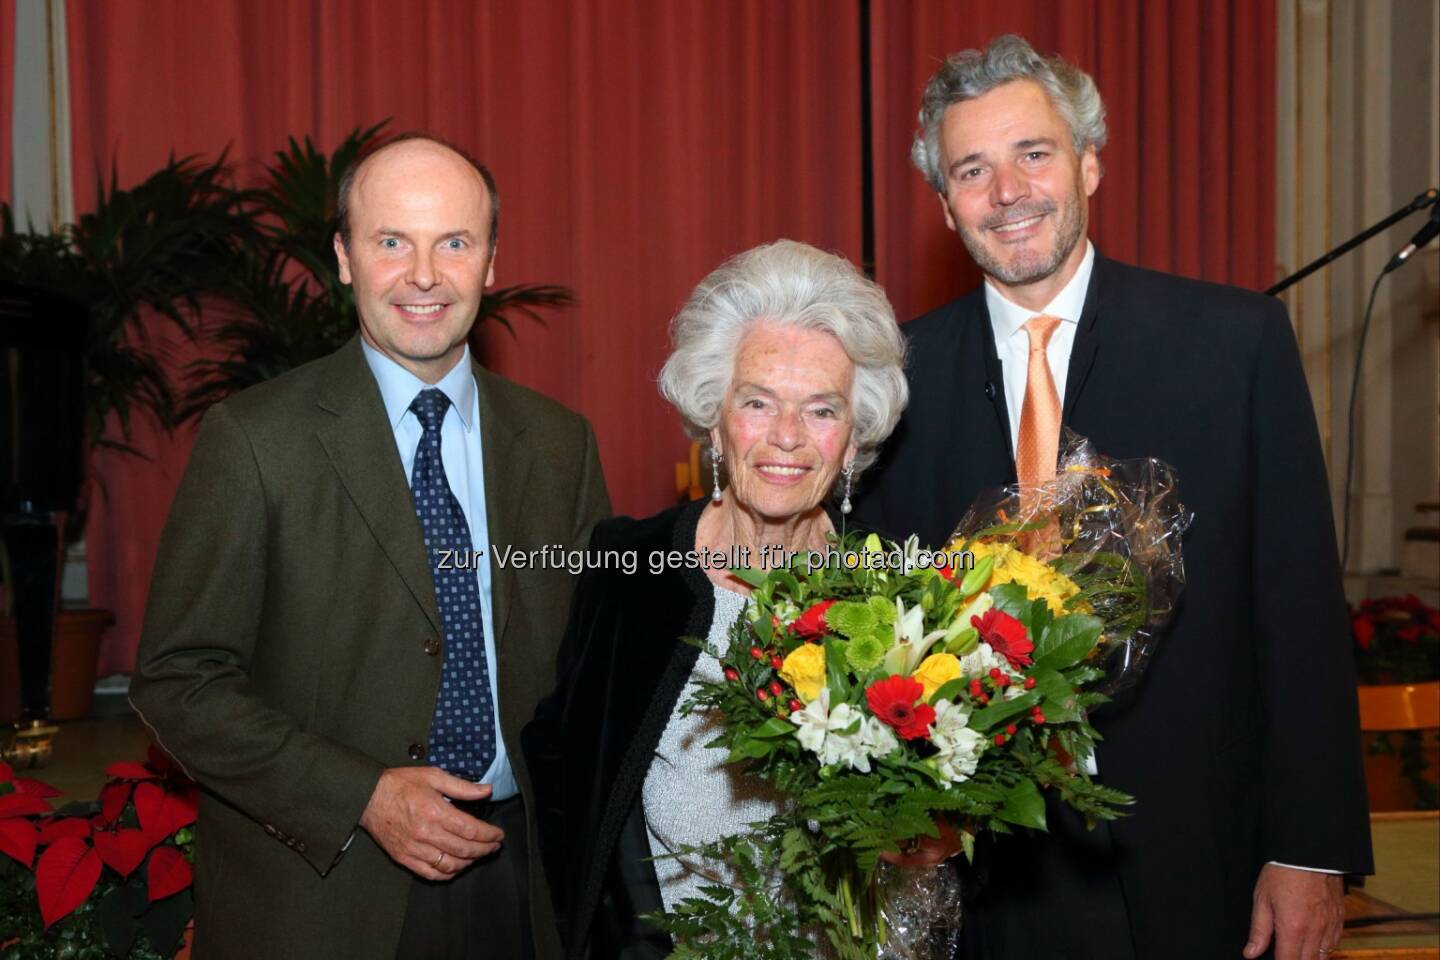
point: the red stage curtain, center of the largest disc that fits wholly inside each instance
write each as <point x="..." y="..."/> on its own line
<point x="635" y="146"/>
<point x="1189" y="172"/>
<point x="7" y="92"/>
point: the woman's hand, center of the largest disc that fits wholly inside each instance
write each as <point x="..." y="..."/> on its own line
<point x="924" y="852"/>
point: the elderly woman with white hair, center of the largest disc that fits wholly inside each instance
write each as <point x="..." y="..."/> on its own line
<point x="788" y="364"/>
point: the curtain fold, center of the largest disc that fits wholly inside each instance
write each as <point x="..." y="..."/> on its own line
<point x="7" y="93"/>
<point x="1189" y="172"/>
<point x="635" y="147"/>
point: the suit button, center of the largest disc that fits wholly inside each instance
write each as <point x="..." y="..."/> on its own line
<point x="432" y="645"/>
<point x="300" y="846"/>
<point x="417" y="751"/>
<point x="271" y="830"/>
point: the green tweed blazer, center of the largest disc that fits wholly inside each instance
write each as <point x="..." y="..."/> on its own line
<point x="290" y="648"/>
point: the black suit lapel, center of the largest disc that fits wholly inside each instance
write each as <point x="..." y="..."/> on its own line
<point x="361" y="447"/>
<point x="983" y="391"/>
<point x="1087" y="340"/>
<point x="507" y="466"/>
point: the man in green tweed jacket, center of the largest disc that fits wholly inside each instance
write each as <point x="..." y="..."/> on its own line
<point x="344" y="677"/>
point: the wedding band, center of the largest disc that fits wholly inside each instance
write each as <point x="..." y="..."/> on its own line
<point x="436" y="866"/>
<point x="1326" y="951"/>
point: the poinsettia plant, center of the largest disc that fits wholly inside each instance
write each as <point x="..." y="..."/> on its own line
<point x="109" y="878"/>
<point x="1397" y="640"/>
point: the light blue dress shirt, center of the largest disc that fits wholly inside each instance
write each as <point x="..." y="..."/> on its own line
<point x="463" y="457"/>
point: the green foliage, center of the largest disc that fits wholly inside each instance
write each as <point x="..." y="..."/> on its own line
<point x="162" y="247"/>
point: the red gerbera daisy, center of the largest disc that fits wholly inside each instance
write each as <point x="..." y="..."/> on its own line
<point x="893" y="701"/>
<point x="1006" y="636"/>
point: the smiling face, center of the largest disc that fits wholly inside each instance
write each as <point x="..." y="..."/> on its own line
<point x="1016" y="191"/>
<point x="419" y="256"/>
<point x="786" y="422"/>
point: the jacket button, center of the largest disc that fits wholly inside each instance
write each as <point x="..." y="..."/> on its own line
<point x="417" y="751"/>
<point x="300" y="846"/>
<point x="270" y="830"/>
<point x="432" y="645"/>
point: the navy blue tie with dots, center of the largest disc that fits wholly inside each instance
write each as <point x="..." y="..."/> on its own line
<point x="462" y="732"/>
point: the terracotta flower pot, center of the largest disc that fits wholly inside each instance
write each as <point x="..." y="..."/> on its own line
<point x="74" y="652"/>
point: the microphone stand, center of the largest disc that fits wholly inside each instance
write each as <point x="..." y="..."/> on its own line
<point x="1419" y="203"/>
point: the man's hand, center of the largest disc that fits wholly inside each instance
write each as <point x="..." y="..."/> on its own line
<point x="410" y="818"/>
<point x="927" y="851"/>
<point x="1304" y="911"/>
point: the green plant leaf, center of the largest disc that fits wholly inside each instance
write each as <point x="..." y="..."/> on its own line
<point x="1067" y="641"/>
<point x="1024" y="806"/>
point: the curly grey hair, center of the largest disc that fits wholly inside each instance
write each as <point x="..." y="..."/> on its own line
<point x="787" y="283"/>
<point x="973" y="73"/>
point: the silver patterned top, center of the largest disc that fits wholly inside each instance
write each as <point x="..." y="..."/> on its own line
<point x="690" y="796"/>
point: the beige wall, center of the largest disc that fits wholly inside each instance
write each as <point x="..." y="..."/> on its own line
<point x="1358" y="135"/>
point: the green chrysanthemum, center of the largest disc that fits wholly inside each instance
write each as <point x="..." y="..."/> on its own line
<point x="852" y="619"/>
<point x="884" y="610"/>
<point x="865" y="652"/>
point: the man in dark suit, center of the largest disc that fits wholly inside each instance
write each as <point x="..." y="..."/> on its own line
<point x="1241" y="744"/>
<point x="332" y="648"/>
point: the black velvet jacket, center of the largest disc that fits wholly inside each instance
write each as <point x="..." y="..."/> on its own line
<point x="621" y="671"/>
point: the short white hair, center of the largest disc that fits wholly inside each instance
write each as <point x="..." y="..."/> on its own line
<point x="973" y="73"/>
<point x="789" y="284"/>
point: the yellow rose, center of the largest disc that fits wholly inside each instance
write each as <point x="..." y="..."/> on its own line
<point x="935" y="671"/>
<point x="804" y="670"/>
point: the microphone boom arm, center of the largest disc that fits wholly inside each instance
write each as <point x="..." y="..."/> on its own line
<point x="1419" y="203"/>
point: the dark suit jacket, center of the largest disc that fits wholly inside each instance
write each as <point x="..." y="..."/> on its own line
<point x="622" y="670"/>
<point x="289" y="652"/>
<point x="1241" y="744"/>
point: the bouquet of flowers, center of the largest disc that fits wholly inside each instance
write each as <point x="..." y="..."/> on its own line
<point x="888" y="692"/>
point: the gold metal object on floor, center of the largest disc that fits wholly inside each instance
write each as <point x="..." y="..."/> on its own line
<point x="30" y="745"/>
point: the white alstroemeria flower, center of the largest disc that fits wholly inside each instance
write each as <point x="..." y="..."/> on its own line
<point x="958" y="747"/>
<point x="813" y="721"/>
<point x="844" y="745"/>
<point x="911" y="641"/>
<point x="978" y="663"/>
<point x="878" y="737"/>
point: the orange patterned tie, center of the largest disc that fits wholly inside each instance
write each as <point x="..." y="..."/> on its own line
<point x="1039" y="443"/>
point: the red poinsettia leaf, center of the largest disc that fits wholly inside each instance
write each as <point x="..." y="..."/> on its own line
<point x="161" y="762"/>
<point x="162" y="812"/>
<point x="22" y="805"/>
<point x="64" y="877"/>
<point x="35" y="788"/>
<point x="147" y="798"/>
<point x="113" y="797"/>
<point x="18" y="839"/>
<point x="62" y="827"/>
<point x="129" y="770"/>
<point x="122" y="850"/>
<point x="7" y="772"/>
<point x="169" y="872"/>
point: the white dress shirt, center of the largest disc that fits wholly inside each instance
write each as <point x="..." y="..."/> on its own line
<point x="1012" y="342"/>
<point x="1012" y="345"/>
<point x="463" y="457"/>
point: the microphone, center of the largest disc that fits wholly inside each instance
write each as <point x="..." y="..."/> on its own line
<point x="1422" y="236"/>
